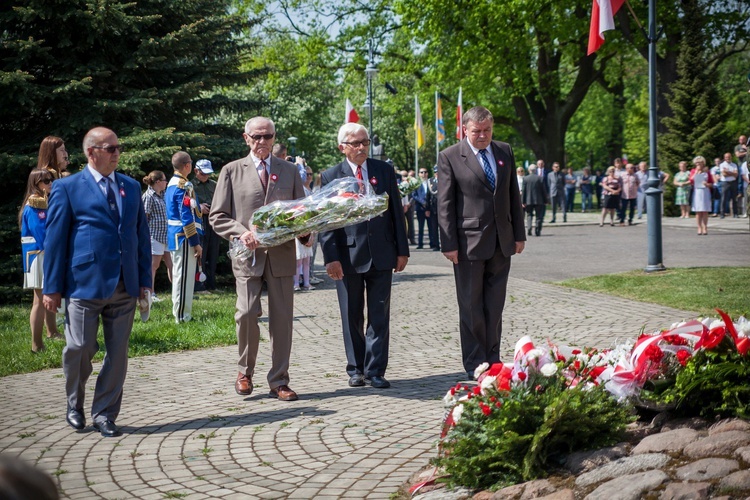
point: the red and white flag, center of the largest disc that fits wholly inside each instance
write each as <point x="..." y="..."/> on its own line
<point x="602" y="19"/>
<point x="351" y="113"/>
<point x="459" y="116"/>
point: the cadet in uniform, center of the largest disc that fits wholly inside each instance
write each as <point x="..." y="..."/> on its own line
<point x="184" y="231"/>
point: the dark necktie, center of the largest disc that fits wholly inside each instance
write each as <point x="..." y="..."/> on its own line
<point x="487" y="168"/>
<point x="264" y="175"/>
<point x="360" y="179"/>
<point x="111" y="200"/>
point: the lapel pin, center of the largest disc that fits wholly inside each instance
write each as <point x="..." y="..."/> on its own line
<point x="500" y="163"/>
<point x="274" y="177"/>
<point x="373" y="181"/>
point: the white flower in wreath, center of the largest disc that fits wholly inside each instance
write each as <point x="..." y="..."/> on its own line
<point x="450" y="398"/>
<point x="488" y="381"/>
<point x="481" y="369"/>
<point x="549" y="369"/>
<point x="457" y="412"/>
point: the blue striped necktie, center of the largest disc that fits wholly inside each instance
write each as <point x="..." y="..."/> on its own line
<point x="487" y="168"/>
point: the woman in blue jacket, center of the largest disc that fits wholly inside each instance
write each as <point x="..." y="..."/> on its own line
<point x="32" y="218"/>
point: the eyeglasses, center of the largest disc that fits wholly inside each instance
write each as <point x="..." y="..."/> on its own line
<point x="258" y="137"/>
<point x="111" y="149"/>
<point x="356" y="144"/>
<point x="309" y="172"/>
<point x="423" y="171"/>
<point x="46" y="181"/>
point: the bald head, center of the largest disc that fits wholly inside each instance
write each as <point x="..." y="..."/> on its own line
<point x="102" y="150"/>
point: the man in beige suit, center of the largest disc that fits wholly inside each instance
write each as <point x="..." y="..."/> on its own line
<point x="244" y="186"/>
<point x="481" y="226"/>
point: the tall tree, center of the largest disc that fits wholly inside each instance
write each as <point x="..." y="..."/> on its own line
<point x="726" y="25"/>
<point x="146" y="69"/>
<point x="533" y="73"/>
<point x="697" y="124"/>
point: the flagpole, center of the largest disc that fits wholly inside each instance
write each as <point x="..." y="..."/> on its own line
<point x="416" y="133"/>
<point x="653" y="193"/>
<point x="437" y="126"/>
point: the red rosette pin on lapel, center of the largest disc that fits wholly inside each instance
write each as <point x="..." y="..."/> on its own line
<point x="500" y="163"/>
<point x="274" y="177"/>
<point x="373" y="181"/>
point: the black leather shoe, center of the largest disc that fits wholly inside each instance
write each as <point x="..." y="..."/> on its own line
<point x="75" y="419"/>
<point x="357" y="380"/>
<point x="528" y="233"/>
<point x="469" y="375"/>
<point x="107" y="428"/>
<point x="378" y="382"/>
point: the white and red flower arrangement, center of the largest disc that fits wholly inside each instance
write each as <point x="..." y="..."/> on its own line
<point x="520" y="416"/>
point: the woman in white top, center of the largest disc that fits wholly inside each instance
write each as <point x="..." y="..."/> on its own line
<point x="702" y="182"/>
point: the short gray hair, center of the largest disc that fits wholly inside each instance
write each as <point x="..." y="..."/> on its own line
<point x="254" y="121"/>
<point x="348" y="129"/>
<point x="532" y="168"/>
<point x="477" y="114"/>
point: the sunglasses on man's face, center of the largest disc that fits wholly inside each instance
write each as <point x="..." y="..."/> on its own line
<point x="258" y="137"/>
<point x="110" y="149"/>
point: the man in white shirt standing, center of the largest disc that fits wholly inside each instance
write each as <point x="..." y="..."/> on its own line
<point x="728" y="179"/>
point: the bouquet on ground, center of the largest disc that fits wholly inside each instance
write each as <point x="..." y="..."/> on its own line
<point x="408" y="186"/>
<point x="338" y="204"/>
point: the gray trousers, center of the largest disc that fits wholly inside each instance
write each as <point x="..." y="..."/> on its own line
<point x="81" y="327"/>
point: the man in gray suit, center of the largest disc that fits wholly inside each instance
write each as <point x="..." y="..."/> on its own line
<point x="99" y="259"/>
<point x="244" y="186"/>
<point x="362" y="258"/>
<point x="556" y="185"/>
<point x="534" y="197"/>
<point x="481" y="226"/>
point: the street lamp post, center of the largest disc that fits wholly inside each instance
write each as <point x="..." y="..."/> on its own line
<point x="370" y="70"/>
<point x="292" y="143"/>
<point x="653" y="193"/>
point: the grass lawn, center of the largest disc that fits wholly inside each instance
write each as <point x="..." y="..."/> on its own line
<point x="698" y="289"/>
<point x="213" y="325"/>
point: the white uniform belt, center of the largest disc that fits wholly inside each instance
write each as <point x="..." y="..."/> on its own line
<point x="171" y="222"/>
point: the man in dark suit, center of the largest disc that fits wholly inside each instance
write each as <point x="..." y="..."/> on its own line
<point x="423" y="200"/>
<point x="99" y="259"/>
<point x="361" y="259"/>
<point x="556" y="188"/>
<point x="481" y="226"/>
<point x="534" y="197"/>
<point x="244" y="186"/>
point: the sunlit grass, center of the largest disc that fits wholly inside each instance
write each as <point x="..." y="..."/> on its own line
<point x="699" y="289"/>
<point x="212" y="325"/>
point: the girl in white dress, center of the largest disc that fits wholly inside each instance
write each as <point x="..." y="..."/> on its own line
<point x="702" y="182"/>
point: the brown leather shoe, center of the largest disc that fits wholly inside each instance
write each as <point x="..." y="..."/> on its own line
<point x="284" y="393"/>
<point x="243" y="385"/>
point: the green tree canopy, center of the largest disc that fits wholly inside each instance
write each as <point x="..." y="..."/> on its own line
<point x="149" y="70"/>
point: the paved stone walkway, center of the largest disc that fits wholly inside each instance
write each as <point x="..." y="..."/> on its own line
<point x="187" y="434"/>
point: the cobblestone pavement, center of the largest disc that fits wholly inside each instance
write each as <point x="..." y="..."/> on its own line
<point x="187" y="434"/>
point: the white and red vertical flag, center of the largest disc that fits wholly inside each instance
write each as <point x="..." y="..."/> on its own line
<point x="459" y="116"/>
<point x="602" y="19"/>
<point x="351" y="113"/>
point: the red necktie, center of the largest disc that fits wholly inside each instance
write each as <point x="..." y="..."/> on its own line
<point x="264" y="175"/>
<point x="360" y="179"/>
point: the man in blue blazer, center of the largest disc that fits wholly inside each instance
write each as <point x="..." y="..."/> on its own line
<point x="361" y="259"/>
<point x="100" y="260"/>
